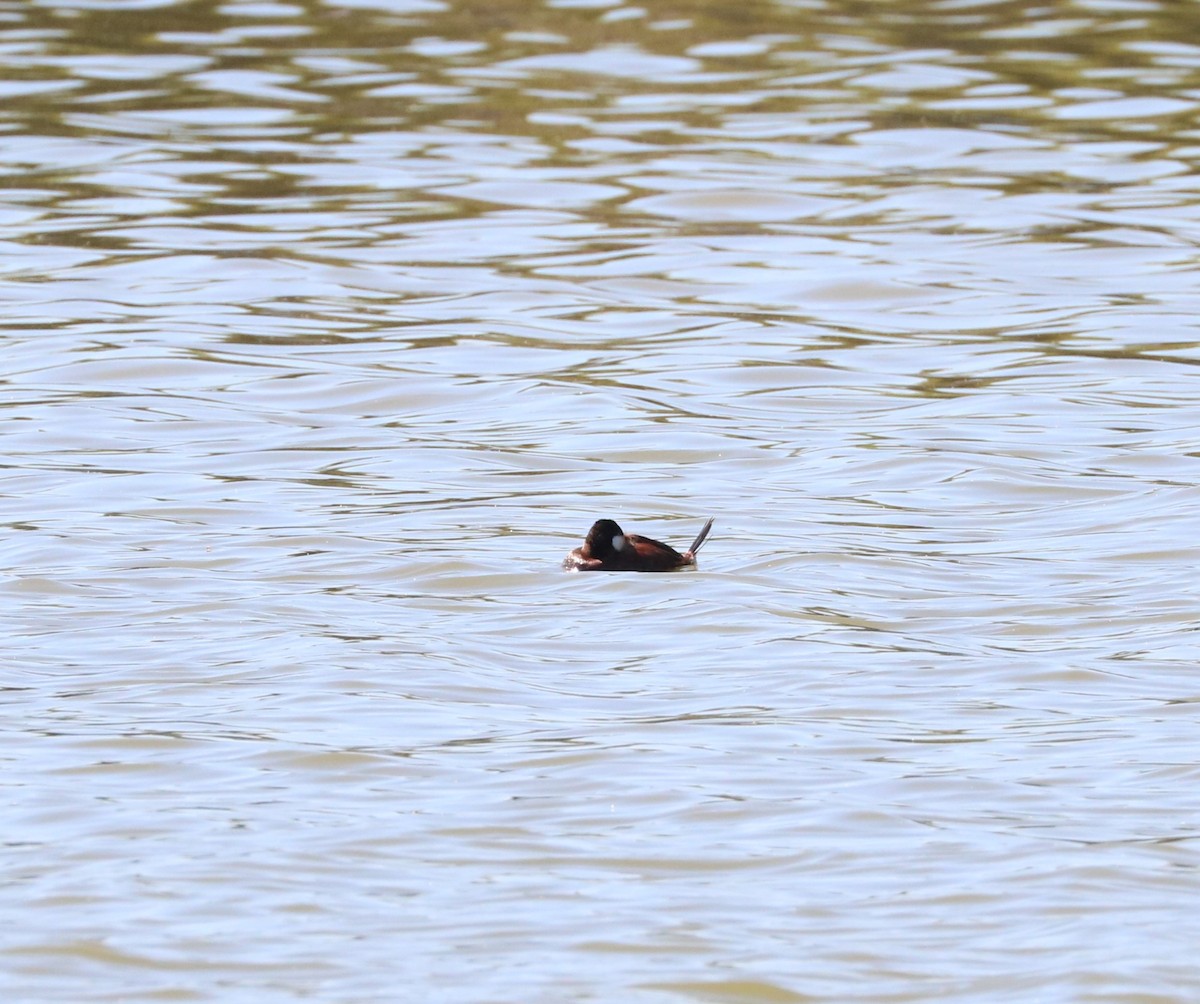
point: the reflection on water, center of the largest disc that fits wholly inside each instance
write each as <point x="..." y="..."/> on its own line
<point x="330" y="328"/>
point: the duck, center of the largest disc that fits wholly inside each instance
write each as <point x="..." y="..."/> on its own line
<point x="608" y="548"/>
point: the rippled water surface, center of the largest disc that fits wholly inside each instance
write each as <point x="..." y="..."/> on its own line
<point x="329" y="328"/>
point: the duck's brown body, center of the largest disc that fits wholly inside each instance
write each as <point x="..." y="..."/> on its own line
<point x="609" y="549"/>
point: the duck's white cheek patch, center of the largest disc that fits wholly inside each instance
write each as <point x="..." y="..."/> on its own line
<point x="619" y="542"/>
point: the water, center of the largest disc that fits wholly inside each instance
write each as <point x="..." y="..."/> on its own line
<point x="328" y="332"/>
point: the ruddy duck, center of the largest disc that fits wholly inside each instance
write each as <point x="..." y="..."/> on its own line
<point x="608" y="548"/>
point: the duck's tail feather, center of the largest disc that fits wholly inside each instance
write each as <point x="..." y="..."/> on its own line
<point x="701" y="537"/>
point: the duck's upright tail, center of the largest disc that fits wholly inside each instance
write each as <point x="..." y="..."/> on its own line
<point x="701" y="537"/>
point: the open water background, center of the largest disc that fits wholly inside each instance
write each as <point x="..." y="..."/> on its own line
<point x="329" y="327"/>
